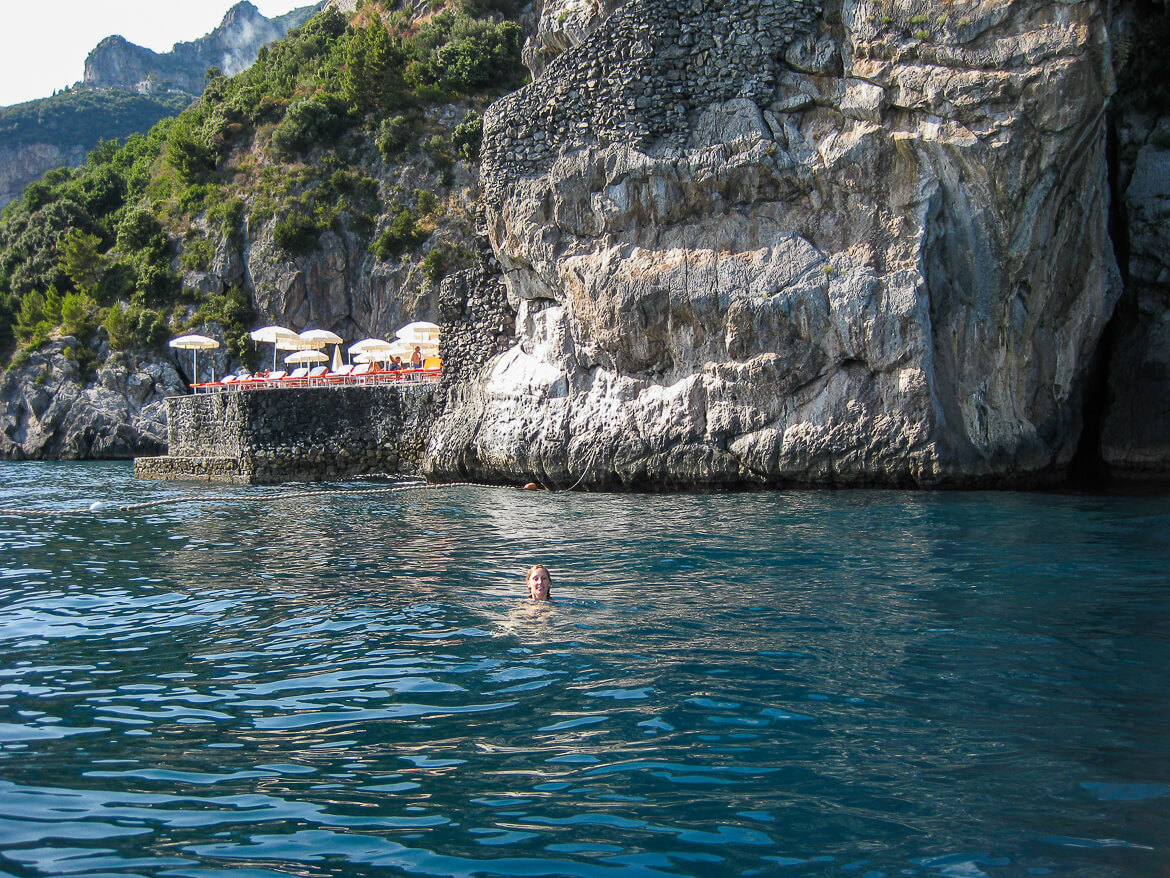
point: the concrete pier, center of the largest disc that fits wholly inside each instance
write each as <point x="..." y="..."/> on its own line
<point x="262" y="437"/>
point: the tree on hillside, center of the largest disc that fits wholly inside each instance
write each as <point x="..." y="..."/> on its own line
<point x="82" y="259"/>
<point x="370" y="78"/>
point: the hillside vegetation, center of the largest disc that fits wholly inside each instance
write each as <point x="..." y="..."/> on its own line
<point x="70" y="117"/>
<point x="98" y="253"/>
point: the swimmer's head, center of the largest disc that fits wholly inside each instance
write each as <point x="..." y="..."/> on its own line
<point x="539" y="582"/>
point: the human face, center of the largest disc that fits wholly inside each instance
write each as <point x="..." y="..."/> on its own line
<point x="539" y="583"/>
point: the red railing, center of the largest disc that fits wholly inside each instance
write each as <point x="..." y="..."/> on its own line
<point x="281" y="381"/>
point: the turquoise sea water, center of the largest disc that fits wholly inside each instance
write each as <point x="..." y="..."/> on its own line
<point x="812" y="683"/>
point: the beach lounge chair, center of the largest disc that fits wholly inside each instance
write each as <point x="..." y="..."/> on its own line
<point x="245" y="381"/>
<point x="360" y="372"/>
<point x="432" y="369"/>
<point x="339" y="376"/>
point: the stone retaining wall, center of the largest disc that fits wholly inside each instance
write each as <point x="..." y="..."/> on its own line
<point x="304" y="434"/>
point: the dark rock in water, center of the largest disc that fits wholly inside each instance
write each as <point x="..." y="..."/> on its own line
<point x="49" y="410"/>
<point x="1135" y="434"/>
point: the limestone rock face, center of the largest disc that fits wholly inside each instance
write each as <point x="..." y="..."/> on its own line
<point x="1135" y="434"/>
<point x="340" y="285"/>
<point x="794" y="242"/>
<point x="49" y="410"/>
<point x="21" y="163"/>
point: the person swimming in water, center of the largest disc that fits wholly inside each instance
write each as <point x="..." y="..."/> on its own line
<point x="539" y="582"/>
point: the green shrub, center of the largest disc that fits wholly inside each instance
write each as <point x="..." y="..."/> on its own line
<point x="316" y="121"/>
<point x="120" y="325"/>
<point x="468" y="136"/>
<point x="151" y="329"/>
<point x="130" y="327"/>
<point x="296" y="234"/>
<point x="357" y="188"/>
<point x="188" y="152"/>
<point x="79" y="315"/>
<point x="228" y="216"/>
<point x="458" y="54"/>
<point x="117" y="283"/>
<point x="394" y="134"/>
<point x="373" y="65"/>
<point x="479" y="8"/>
<point x="438" y="150"/>
<point x="425" y="201"/>
<point x="155" y="285"/>
<point x="197" y="254"/>
<point x="402" y="234"/>
<point x="39" y="313"/>
<point x="139" y="230"/>
<point x="81" y="259"/>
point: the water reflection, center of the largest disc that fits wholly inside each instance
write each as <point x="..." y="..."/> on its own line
<point x="929" y="684"/>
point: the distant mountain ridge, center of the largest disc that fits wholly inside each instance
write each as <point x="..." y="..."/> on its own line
<point x="126" y="89"/>
<point x="117" y="63"/>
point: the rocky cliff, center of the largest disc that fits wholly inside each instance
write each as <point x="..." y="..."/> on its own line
<point x="1134" y="438"/>
<point x="51" y="407"/>
<point x="22" y="163"/>
<point x="797" y="242"/>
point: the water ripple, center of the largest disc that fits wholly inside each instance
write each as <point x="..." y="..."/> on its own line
<point x="815" y="683"/>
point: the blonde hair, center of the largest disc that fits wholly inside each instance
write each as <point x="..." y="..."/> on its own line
<point x="534" y="568"/>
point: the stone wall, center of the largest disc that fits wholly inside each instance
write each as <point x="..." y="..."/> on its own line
<point x="304" y="434"/>
<point x="478" y="321"/>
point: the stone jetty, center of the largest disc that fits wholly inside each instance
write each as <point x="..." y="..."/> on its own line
<point x="299" y="434"/>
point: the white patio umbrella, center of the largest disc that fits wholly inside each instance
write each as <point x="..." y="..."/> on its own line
<point x="274" y="335"/>
<point x="418" y="331"/>
<point x="301" y="357"/>
<point x="369" y="345"/>
<point x="337" y="364"/>
<point x="194" y="344"/>
<point x="298" y="344"/>
<point x="322" y="337"/>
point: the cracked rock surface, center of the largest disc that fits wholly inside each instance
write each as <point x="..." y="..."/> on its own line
<point x="795" y="242"/>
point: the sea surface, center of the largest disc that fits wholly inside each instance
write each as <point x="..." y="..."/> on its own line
<point x="313" y="680"/>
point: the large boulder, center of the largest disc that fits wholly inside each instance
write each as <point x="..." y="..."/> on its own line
<point x="784" y="241"/>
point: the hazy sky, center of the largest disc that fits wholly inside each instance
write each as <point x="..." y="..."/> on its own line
<point x="43" y="44"/>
